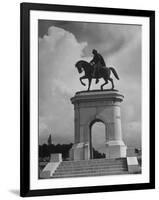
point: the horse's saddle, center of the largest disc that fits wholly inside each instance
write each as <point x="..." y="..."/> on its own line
<point x="97" y="72"/>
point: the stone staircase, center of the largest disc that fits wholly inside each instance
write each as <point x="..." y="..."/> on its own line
<point x="94" y="167"/>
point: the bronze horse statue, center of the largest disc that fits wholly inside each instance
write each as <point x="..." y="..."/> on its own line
<point x="104" y="72"/>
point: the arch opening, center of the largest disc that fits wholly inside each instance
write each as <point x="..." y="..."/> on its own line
<point x="97" y="139"/>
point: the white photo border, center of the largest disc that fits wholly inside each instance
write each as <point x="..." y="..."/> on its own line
<point x="36" y="183"/>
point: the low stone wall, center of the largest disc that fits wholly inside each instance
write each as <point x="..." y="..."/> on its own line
<point x="49" y="169"/>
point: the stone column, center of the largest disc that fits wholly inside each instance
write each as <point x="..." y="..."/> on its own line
<point x="115" y="147"/>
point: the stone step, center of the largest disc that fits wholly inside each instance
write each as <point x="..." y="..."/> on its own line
<point x="89" y="171"/>
<point x="94" y="167"/>
<point x="91" y="167"/>
<point x="97" y="160"/>
<point x="95" y="164"/>
<point x="90" y="174"/>
<point x="90" y="162"/>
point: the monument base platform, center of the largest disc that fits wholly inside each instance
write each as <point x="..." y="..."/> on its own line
<point x="116" y="149"/>
<point x="80" y="151"/>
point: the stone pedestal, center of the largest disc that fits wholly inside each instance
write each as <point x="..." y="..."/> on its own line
<point x="80" y="151"/>
<point x="133" y="165"/>
<point x="95" y="106"/>
<point x="115" y="149"/>
<point x="56" y="157"/>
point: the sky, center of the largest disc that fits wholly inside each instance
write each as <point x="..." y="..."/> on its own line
<point x="61" y="45"/>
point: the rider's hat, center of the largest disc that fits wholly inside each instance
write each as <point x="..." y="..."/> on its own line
<point x="94" y="51"/>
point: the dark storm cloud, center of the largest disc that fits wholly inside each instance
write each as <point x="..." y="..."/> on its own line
<point x="107" y="38"/>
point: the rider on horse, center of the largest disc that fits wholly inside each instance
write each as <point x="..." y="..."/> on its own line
<point x="97" y="62"/>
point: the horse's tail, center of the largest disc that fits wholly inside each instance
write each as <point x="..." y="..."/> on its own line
<point x="114" y="72"/>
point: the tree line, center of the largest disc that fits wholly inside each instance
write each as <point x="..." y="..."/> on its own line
<point x="46" y="149"/>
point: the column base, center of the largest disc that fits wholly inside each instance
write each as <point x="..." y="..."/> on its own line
<point x="80" y="151"/>
<point x="115" y="149"/>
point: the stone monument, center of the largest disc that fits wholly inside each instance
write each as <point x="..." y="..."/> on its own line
<point x="97" y="106"/>
<point x="91" y="107"/>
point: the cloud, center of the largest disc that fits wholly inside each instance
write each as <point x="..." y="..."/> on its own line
<point x="58" y="53"/>
<point x="132" y="133"/>
<point x="59" y="50"/>
<point x="127" y="62"/>
<point x="107" y="38"/>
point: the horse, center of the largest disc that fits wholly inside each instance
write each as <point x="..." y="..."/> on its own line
<point x="104" y="72"/>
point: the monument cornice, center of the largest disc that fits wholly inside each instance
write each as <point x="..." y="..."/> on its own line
<point x="97" y="95"/>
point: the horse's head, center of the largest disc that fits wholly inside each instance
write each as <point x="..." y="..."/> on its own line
<point x="78" y="65"/>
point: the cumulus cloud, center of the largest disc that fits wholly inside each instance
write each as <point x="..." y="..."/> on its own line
<point x="58" y="52"/>
<point x="107" y="38"/>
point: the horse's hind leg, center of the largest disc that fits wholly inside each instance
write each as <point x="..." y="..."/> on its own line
<point x="111" y="80"/>
<point x="106" y="81"/>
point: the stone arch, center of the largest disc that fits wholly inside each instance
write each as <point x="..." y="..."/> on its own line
<point x="93" y="106"/>
<point x="94" y="118"/>
<point x="90" y="133"/>
<point x="88" y="122"/>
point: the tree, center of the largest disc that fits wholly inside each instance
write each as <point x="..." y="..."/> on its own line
<point x="97" y="154"/>
<point x="49" y="141"/>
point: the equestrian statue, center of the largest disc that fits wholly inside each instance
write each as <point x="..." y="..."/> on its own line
<point x="96" y="69"/>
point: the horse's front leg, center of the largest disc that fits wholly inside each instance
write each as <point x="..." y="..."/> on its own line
<point x="89" y="83"/>
<point x="106" y="81"/>
<point x="81" y="78"/>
